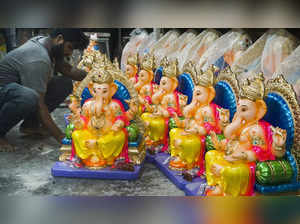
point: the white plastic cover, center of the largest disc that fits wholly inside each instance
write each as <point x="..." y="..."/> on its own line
<point x="233" y="43"/>
<point x="290" y="68"/>
<point x="138" y="36"/>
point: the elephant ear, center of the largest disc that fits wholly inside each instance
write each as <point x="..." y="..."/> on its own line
<point x="175" y="84"/>
<point x="262" y="109"/>
<point x="212" y="94"/>
<point x="113" y="89"/>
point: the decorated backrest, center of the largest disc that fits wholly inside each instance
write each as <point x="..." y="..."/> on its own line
<point x="283" y="112"/>
<point x="122" y="94"/>
<point x="226" y="88"/>
<point x="185" y="85"/>
<point x="158" y="74"/>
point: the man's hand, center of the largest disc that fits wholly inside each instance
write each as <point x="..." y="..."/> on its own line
<point x="70" y="71"/>
<point x="47" y="120"/>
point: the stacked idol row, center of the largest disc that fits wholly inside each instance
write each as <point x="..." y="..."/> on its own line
<point x="209" y="130"/>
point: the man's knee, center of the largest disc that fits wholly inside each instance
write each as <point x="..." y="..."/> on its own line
<point x="27" y="98"/>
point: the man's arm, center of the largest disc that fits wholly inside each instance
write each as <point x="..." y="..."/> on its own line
<point x="47" y="120"/>
<point x="70" y="71"/>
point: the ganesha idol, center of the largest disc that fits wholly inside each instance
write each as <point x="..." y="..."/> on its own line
<point x="250" y="147"/>
<point x="144" y="85"/>
<point x="167" y="102"/>
<point x="201" y="116"/>
<point x="132" y="68"/>
<point x="100" y="135"/>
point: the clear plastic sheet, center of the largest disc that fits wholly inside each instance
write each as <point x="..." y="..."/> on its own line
<point x="233" y="44"/>
<point x="138" y="36"/>
<point x="290" y="68"/>
<point x="265" y="55"/>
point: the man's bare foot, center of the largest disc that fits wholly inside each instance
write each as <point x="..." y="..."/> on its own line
<point x="5" y="146"/>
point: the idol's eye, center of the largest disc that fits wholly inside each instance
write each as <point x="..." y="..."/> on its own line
<point x="104" y="91"/>
<point x="244" y="109"/>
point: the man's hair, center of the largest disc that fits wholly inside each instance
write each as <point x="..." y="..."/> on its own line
<point x="75" y="36"/>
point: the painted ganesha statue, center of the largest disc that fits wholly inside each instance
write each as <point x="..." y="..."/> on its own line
<point x="254" y="154"/>
<point x="102" y="127"/>
<point x="200" y="117"/>
<point x="166" y="103"/>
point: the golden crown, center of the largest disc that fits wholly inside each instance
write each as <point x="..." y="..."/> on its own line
<point x="102" y="75"/>
<point x="164" y="62"/>
<point x="171" y="69"/>
<point x="74" y="97"/>
<point x="206" y="78"/>
<point x="254" y="88"/>
<point x="132" y="59"/>
<point x="148" y="63"/>
<point x="190" y="68"/>
<point x="116" y="63"/>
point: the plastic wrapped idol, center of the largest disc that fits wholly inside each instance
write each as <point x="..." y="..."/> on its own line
<point x="266" y="54"/>
<point x="209" y="36"/>
<point x="162" y="44"/>
<point x="146" y="45"/>
<point x="137" y="37"/>
<point x="290" y="69"/>
<point x="224" y="51"/>
<point x="196" y="48"/>
<point x="179" y="45"/>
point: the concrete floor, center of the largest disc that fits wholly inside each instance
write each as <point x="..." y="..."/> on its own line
<point x="27" y="172"/>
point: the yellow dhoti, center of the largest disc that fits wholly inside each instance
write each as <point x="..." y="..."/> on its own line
<point x="189" y="148"/>
<point x="108" y="146"/>
<point x="111" y="144"/>
<point x="157" y="127"/>
<point x="234" y="177"/>
<point x="79" y="138"/>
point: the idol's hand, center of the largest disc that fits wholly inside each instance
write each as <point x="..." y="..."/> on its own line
<point x="90" y="144"/>
<point x="216" y="169"/>
<point x="117" y="126"/>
